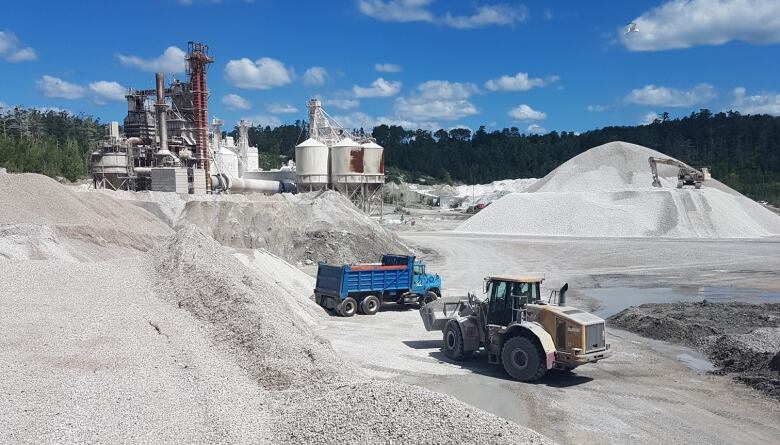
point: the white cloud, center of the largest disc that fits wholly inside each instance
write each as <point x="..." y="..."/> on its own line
<point x="344" y="104"/>
<point x="235" y="102"/>
<point x="649" y="118"/>
<point x="687" y="23"/>
<point x="487" y="15"/>
<point x="262" y="74"/>
<point x="281" y="108"/>
<point x="4" y="107"/>
<point x="11" y="49"/>
<point x="442" y="89"/>
<point x="518" y="82"/>
<point x="438" y="99"/>
<point x="388" y="68"/>
<point x="419" y="11"/>
<point x="379" y="88"/>
<point x="526" y="113"/>
<point x="536" y="129"/>
<point x="108" y="91"/>
<point x="597" y="108"/>
<point x="262" y="120"/>
<point x="170" y="61"/>
<point x="397" y="10"/>
<point x="765" y="103"/>
<point x="51" y="86"/>
<point x="362" y="120"/>
<point x="422" y="109"/>
<point x="315" y="75"/>
<point x="670" y="97"/>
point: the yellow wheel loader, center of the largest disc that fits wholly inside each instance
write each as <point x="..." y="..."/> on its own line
<point x="518" y="329"/>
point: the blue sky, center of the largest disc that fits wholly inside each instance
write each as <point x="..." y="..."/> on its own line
<point x="539" y="66"/>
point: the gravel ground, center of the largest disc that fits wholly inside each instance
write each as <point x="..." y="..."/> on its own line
<point x="741" y="339"/>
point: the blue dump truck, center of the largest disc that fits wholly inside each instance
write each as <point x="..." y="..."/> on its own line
<point x="364" y="287"/>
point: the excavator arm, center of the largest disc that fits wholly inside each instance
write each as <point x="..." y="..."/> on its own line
<point x="666" y="161"/>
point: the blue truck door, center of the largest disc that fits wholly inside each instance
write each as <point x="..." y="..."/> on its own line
<point x="418" y="287"/>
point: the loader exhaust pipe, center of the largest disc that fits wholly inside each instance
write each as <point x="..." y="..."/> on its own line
<point x="562" y="294"/>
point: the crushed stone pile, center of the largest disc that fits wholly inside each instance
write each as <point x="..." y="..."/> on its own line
<point x="607" y="192"/>
<point x="253" y="319"/>
<point x="742" y="339"/>
<point x="299" y="228"/>
<point x="43" y="219"/>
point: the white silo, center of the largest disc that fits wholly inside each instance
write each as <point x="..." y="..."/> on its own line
<point x="311" y="160"/>
<point x="346" y="162"/>
<point x="227" y="162"/>
<point x="252" y="159"/>
<point x="373" y="162"/>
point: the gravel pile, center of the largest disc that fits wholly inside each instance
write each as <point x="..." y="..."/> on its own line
<point x="607" y="192"/>
<point x="253" y="320"/>
<point x="299" y="228"/>
<point x="384" y="412"/>
<point x="742" y="339"/>
<point x="43" y="219"/>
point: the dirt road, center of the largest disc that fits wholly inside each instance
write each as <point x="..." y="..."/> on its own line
<point x="645" y="393"/>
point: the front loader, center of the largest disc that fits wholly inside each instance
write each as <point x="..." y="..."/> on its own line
<point x="518" y="329"/>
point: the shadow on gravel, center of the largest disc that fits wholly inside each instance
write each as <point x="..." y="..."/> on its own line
<point x="478" y="364"/>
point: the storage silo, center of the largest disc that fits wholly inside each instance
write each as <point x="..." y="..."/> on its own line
<point x="346" y="163"/>
<point x="311" y="160"/>
<point x="252" y="159"/>
<point x="227" y="162"/>
<point x="373" y="162"/>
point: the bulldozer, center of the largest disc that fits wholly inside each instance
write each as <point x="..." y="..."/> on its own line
<point x="517" y="328"/>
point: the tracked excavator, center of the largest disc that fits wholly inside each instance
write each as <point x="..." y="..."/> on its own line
<point x="685" y="175"/>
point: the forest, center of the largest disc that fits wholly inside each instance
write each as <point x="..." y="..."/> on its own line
<point x="742" y="151"/>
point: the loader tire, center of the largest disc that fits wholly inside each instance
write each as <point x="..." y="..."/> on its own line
<point x="453" y="342"/>
<point x="370" y="305"/>
<point x="347" y="308"/>
<point x="523" y="359"/>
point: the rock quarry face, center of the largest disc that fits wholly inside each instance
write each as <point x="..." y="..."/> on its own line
<point x="607" y="192"/>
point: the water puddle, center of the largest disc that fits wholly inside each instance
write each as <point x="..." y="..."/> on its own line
<point x="614" y="299"/>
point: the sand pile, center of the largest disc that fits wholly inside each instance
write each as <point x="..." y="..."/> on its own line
<point x="607" y="192"/>
<point x="43" y="219"/>
<point x="307" y="227"/>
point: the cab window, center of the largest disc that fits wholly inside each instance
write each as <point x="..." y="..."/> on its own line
<point x="419" y="269"/>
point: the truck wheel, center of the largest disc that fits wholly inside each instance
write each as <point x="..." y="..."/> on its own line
<point x="523" y="360"/>
<point x="370" y="305"/>
<point x="453" y="342"/>
<point x="347" y="308"/>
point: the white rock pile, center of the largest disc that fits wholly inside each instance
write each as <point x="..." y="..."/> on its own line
<point x="607" y="192"/>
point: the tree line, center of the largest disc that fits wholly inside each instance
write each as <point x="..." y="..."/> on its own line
<point x="50" y="142"/>
<point x="742" y="151"/>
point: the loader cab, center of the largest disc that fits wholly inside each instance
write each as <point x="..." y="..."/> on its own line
<point x="506" y="297"/>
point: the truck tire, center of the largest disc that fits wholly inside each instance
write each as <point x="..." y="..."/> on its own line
<point x="370" y="305"/>
<point x="453" y="342"/>
<point x="523" y="359"/>
<point x="347" y="307"/>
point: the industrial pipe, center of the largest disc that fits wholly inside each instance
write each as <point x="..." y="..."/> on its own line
<point x="162" y="123"/>
<point x="240" y="185"/>
<point x="143" y="171"/>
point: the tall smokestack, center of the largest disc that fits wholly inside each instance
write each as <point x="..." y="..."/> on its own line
<point x="161" y="107"/>
<point x="198" y="59"/>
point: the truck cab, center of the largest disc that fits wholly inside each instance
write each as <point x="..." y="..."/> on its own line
<point x="423" y="282"/>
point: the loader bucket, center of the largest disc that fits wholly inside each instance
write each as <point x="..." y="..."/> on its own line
<point x="436" y="314"/>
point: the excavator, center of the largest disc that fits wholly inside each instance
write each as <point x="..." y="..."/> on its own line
<point x="685" y="175"/>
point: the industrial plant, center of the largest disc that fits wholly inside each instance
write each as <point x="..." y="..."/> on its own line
<point x="166" y="145"/>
